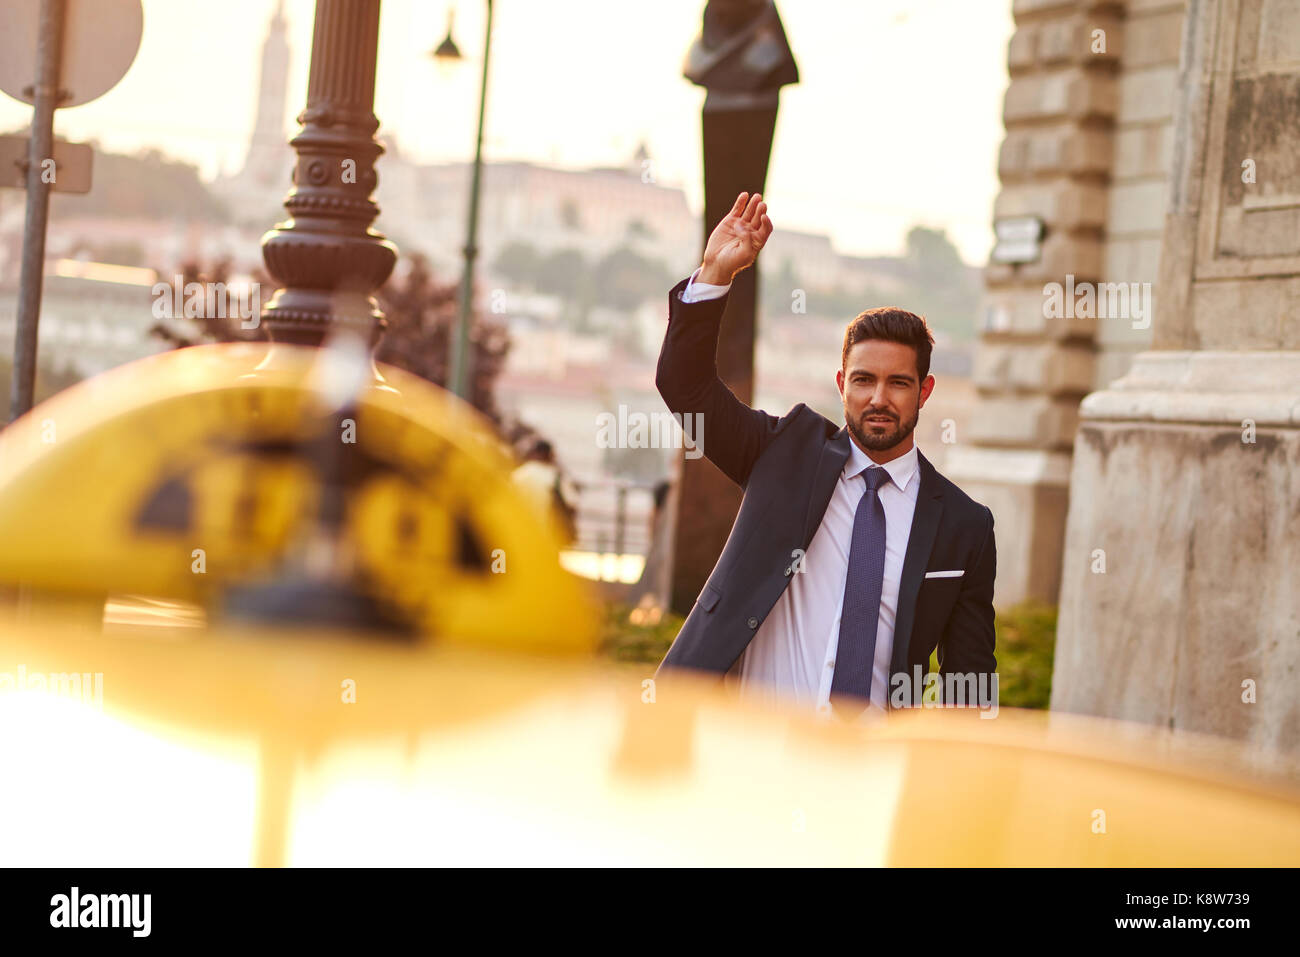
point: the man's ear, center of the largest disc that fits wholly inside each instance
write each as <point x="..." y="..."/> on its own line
<point x="839" y="382"/>
<point x="927" y="386"/>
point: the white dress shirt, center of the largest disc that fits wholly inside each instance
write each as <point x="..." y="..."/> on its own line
<point x="792" y="656"/>
<point x="697" y="291"/>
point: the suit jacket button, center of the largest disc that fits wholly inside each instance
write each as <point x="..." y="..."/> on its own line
<point x="753" y="623"/>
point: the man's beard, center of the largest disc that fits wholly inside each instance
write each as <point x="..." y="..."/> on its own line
<point x="879" y="442"/>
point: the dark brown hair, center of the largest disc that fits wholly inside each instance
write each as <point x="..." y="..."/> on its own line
<point x="893" y="325"/>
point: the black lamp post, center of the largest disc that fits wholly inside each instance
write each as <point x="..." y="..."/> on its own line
<point x="327" y="258"/>
<point x="458" y="379"/>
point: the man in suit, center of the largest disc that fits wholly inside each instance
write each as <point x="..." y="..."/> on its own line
<point x="852" y="558"/>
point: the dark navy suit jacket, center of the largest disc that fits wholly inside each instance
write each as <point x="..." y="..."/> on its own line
<point x="788" y="467"/>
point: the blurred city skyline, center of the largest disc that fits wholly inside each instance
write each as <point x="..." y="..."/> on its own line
<point x="592" y="98"/>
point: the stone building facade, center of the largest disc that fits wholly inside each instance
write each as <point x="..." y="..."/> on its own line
<point x="1089" y="133"/>
<point x="1143" y="466"/>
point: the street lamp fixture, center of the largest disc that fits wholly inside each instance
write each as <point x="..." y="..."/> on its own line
<point x="447" y="51"/>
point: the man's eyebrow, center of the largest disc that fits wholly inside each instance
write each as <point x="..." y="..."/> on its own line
<point x="907" y="376"/>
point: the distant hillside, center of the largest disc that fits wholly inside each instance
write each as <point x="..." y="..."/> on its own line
<point x="929" y="279"/>
<point x="145" y="186"/>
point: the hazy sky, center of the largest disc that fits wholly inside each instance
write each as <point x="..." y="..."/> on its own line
<point x="896" y="119"/>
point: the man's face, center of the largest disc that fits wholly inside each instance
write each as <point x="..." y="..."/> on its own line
<point x="882" y="394"/>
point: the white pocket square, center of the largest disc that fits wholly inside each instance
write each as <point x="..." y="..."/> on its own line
<point x="955" y="573"/>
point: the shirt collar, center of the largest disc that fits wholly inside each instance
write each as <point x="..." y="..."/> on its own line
<point x="900" y="469"/>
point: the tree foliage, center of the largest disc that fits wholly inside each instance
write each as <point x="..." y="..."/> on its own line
<point x="422" y="316"/>
<point x="145" y="186"/>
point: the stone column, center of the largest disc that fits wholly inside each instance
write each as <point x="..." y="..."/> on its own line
<point x="1139" y="175"/>
<point x="1031" y="370"/>
<point x="1179" y="598"/>
<point x="737" y="145"/>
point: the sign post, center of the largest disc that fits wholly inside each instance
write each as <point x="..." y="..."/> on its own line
<point x="46" y="96"/>
<point x="76" y="51"/>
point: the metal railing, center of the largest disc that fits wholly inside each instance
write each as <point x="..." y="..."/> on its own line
<point x="613" y="516"/>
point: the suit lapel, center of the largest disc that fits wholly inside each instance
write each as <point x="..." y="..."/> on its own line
<point x="925" y="527"/>
<point x="829" y="466"/>
<point x="920" y="542"/>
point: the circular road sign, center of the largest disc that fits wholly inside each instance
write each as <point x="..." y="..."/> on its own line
<point x="100" y="40"/>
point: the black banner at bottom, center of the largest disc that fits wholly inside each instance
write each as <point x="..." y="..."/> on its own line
<point x="136" y="906"/>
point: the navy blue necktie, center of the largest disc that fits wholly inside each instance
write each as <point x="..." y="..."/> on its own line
<point x="861" y="612"/>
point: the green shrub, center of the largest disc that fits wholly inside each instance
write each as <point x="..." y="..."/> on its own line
<point x="647" y="642"/>
<point x="1026" y="639"/>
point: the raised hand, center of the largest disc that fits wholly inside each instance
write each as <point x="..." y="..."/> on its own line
<point x="735" y="241"/>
